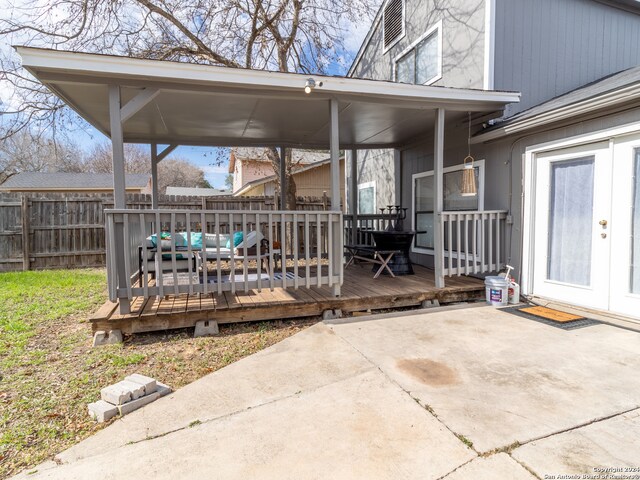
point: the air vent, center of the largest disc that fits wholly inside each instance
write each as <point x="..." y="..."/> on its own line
<point x="393" y="21"/>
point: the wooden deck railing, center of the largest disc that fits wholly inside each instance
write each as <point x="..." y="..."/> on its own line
<point x="473" y="241"/>
<point x="360" y="233"/>
<point x="300" y="249"/>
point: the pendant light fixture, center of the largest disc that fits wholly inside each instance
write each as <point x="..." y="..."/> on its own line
<point x="469" y="187"/>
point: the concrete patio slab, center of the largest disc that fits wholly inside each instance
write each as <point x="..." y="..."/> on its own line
<point x="590" y="450"/>
<point x="362" y="427"/>
<point x="496" y="466"/>
<point x="386" y="398"/>
<point x="496" y="378"/>
<point x="310" y="359"/>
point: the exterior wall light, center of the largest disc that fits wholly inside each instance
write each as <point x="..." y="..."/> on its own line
<point x="310" y="85"/>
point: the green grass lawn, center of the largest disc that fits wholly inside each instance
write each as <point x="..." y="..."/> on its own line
<point x="49" y="372"/>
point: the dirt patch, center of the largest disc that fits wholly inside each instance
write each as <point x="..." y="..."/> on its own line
<point x="429" y="372"/>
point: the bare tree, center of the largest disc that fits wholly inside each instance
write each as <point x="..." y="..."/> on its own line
<point x="24" y="152"/>
<point x="99" y="159"/>
<point x="283" y="35"/>
<point x="174" y="172"/>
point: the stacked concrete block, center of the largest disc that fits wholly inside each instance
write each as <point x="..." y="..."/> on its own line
<point x="124" y="397"/>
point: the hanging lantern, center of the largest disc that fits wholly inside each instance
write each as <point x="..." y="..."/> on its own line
<point x="469" y="187"/>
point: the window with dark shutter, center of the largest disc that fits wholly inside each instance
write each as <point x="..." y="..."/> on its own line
<point x="393" y="21"/>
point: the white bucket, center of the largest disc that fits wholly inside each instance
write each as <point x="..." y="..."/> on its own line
<point x="497" y="291"/>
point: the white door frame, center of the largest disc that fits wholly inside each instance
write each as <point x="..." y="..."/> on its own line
<point x="529" y="187"/>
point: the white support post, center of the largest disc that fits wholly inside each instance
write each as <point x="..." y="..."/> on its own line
<point x="154" y="176"/>
<point x="119" y="197"/>
<point x="397" y="167"/>
<point x="155" y="159"/>
<point x="353" y="197"/>
<point x="283" y="178"/>
<point x="337" y="237"/>
<point x="438" y="201"/>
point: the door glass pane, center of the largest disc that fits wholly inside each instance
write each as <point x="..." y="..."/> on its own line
<point x="424" y="211"/>
<point x="406" y="68"/>
<point x="571" y="221"/>
<point x="635" y="227"/>
<point x="427" y="59"/>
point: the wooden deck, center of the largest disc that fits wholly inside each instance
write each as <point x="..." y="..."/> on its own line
<point x="360" y="292"/>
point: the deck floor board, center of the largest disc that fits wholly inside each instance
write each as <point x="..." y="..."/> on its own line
<point x="359" y="292"/>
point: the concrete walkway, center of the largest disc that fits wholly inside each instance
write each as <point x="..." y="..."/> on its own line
<point x="470" y="393"/>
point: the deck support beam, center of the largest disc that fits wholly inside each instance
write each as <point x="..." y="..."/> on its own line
<point x="155" y="159"/>
<point x="438" y="197"/>
<point x="353" y="197"/>
<point x="119" y="197"/>
<point x="283" y="178"/>
<point x="137" y="103"/>
<point x="337" y="236"/>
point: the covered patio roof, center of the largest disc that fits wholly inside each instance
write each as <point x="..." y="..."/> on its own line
<point x="190" y="104"/>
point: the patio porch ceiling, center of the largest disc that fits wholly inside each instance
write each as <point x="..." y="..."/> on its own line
<point x="189" y="104"/>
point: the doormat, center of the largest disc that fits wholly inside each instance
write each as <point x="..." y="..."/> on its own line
<point x="549" y="316"/>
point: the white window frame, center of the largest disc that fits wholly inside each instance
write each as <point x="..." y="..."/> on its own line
<point x="415" y="176"/>
<point x="362" y="186"/>
<point x="437" y="27"/>
<point x="404" y="27"/>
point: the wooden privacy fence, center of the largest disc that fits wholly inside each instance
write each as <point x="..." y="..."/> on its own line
<point x="68" y="230"/>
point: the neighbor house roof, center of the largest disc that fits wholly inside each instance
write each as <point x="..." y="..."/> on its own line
<point x="169" y="102"/>
<point x="197" y="192"/>
<point x="260" y="155"/>
<point x="71" y="181"/>
<point x="617" y="90"/>
<point x="302" y="168"/>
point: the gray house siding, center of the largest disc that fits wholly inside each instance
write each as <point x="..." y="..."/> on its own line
<point x="503" y="171"/>
<point x="375" y="166"/>
<point x="462" y="42"/>
<point x="546" y="48"/>
<point x="463" y="23"/>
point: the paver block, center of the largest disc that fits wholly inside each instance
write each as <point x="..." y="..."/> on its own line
<point x="122" y="392"/>
<point x="332" y="314"/>
<point x="102" y="337"/>
<point x="148" y="382"/>
<point x="136" y="404"/>
<point x="163" y="389"/>
<point x="206" y="327"/>
<point x="102" y="411"/>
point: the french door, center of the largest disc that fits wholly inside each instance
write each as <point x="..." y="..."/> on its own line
<point x="587" y="226"/>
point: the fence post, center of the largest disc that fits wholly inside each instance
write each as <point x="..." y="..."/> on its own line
<point x="25" y="233"/>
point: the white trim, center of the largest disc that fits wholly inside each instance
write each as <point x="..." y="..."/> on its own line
<point x="489" y="43"/>
<point x="481" y="178"/>
<point x="624" y="96"/>
<point x="529" y="187"/>
<point x="437" y="27"/>
<point x="109" y="69"/>
<point x="362" y="186"/>
<point x="404" y="26"/>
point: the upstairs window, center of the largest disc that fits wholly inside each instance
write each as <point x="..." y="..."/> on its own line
<point x="421" y="63"/>
<point x="393" y="22"/>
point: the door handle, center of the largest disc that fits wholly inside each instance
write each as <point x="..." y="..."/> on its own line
<point x="603" y="223"/>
